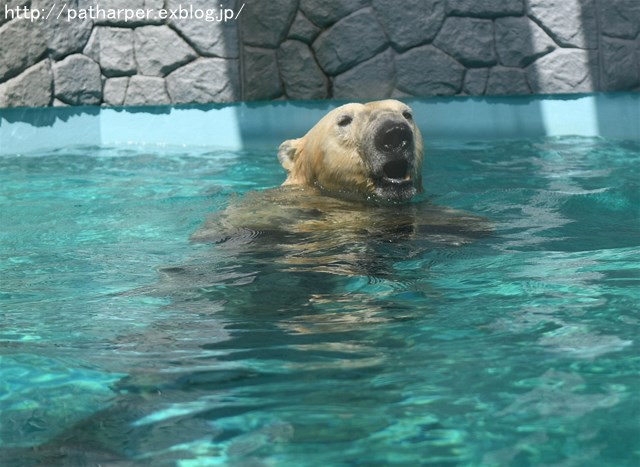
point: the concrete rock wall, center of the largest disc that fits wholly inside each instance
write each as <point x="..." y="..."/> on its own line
<point x="309" y="49"/>
<point x="109" y="59"/>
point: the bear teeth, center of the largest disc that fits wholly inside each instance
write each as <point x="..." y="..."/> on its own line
<point x="391" y="147"/>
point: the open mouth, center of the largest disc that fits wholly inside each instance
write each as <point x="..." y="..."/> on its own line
<point x="396" y="171"/>
<point x="395" y="183"/>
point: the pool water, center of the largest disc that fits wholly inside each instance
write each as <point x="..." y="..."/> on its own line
<point x="123" y="342"/>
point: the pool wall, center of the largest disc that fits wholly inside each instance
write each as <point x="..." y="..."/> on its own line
<point x="155" y="52"/>
<point x="265" y="125"/>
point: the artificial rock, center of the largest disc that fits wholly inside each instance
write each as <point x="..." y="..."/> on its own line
<point x="77" y="80"/>
<point x="367" y="80"/>
<point x="328" y="12"/>
<point x="301" y="74"/>
<point x="146" y="90"/>
<point x="468" y="40"/>
<point x="563" y="71"/>
<point x="113" y="49"/>
<point x="208" y="38"/>
<point x="571" y="23"/>
<point x="31" y="88"/>
<point x="336" y="49"/>
<point x="23" y="45"/>
<point x="427" y="70"/>
<point x="159" y="50"/>
<point x="266" y="23"/>
<point x="205" y="80"/>
<point x="485" y="8"/>
<point x="516" y="49"/>
<point x="262" y="77"/>
<point x="114" y="90"/>
<point x="412" y="23"/>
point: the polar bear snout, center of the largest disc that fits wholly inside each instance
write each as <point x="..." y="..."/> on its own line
<point x="394" y="136"/>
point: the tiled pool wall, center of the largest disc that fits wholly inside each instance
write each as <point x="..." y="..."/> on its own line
<point x="90" y="52"/>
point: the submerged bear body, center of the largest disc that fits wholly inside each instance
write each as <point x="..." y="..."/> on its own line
<point x="301" y="227"/>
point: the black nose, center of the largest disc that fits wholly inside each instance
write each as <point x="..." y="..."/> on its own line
<point x="393" y="136"/>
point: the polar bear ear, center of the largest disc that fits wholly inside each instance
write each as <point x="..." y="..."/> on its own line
<point x="288" y="153"/>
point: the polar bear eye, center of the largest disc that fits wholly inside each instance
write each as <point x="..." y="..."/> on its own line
<point x="406" y="114"/>
<point x="344" y="120"/>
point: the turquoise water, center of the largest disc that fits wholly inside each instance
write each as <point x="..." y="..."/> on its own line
<point x="122" y="341"/>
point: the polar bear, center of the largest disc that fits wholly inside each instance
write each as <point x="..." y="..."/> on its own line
<point x="352" y="183"/>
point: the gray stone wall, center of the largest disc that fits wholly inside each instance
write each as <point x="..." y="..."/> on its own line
<point x="309" y="49"/>
<point x="109" y="59"/>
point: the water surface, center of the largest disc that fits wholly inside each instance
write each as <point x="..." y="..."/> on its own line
<point x="122" y="341"/>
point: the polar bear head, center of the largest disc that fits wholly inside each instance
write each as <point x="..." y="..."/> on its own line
<point x="371" y="151"/>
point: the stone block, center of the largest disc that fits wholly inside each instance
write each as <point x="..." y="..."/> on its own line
<point x="412" y="23"/>
<point x="468" y="40"/>
<point x="205" y="80"/>
<point x="350" y="41"/>
<point x="77" y="80"/>
<point x="22" y="44"/>
<point x="113" y="49"/>
<point x="563" y="71"/>
<point x="620" y="18"/>
<point x="32" y="88"/>
<point x="266" y="24"/>
<point x="301" y="74"/>
<point x="506" y="81"/>
<point x="208" y="38"/>
<point x="146" y="90"/>
<point x="327" y="12"/>
<point x="571" y="23"/>
<point x="159" y="50"/>
<point x="303" y="30"/>
<point x="485" y="8"/>
<point x="621" y="70"/>
<point x="115" y="90"/>
<point x="520" y="41"/>
<point x="63" y="37"/>
<point x="373" y="79"/>
<point x="426" y="71"/>
<point x="475" y="81"/>
<point x="261" y="75"/>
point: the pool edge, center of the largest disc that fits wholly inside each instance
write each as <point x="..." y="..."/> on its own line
<point x="265" y="124"/>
